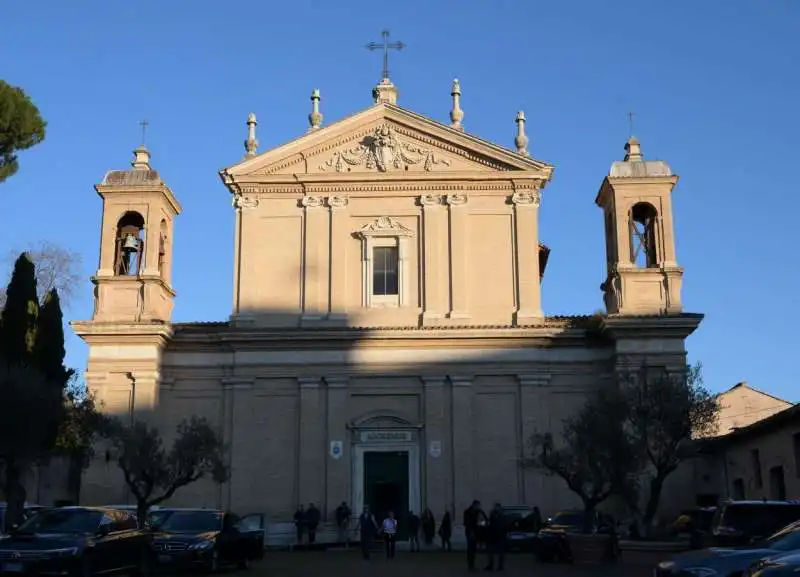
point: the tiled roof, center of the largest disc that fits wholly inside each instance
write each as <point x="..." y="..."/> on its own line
<point x="131" y="177"/>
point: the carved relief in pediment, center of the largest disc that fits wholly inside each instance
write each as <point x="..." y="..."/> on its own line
<point x="383" y="151"/>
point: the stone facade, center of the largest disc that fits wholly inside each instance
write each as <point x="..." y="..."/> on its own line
<point x="386" y="299"/>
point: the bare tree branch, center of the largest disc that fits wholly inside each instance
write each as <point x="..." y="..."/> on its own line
<point x="56" y="267"/>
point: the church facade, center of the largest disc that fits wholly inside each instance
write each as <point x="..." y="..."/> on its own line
<point x="387" y="343"/>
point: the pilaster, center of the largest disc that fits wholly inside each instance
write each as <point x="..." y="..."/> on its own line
<point x="526" y="224"/>
<point x="437" y="454"/>
<point x="315" y="259"/>
<point x="337" y="476"/>
<point x="311" y="456"/>
<point x="338" y="257"/>
<point x="532" y="417"/>
<point x="458" y="256"/>
<point x="434" y="223"/>
<point x="145" y="397"/>
<point x="232" y="387"/>
<point x="462" y="442"/>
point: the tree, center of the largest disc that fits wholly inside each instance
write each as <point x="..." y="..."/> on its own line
<point x="21" y="127"/>
<point x="79" y="429"/>
<point x="665" y="412"/>
<point x="56" y="268"/>
<point x="595" y="457"/>
<point x="154" y="474"/>
<point x="30" y="408"/>
<point x="20" y="313"/>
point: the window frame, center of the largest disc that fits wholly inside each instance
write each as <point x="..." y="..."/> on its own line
<point x="385" y="232"/>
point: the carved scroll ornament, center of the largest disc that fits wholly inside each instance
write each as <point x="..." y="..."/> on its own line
<point x="337" y="201"/>
<point x="311" y="201"/>
<point x="241" y="201"/>
<point x="456" y="199"/>
<point x="384" y="226"/>
<point x="383" y="151"/>
<point x="526" y="197"/>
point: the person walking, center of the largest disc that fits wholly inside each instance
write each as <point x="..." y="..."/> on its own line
<point x="413" y="531"/>
<point x="428" y="527"/>
<point x="312" y="522"/>
<point x="446" y="531"/>
<point x="367" y="527"/>
<point x="300" y="523"/>
<point x="389" y="531"/>
<point x="496" y="534"/>
<point x="343" y="514"/>
<point x="474" y="520"/>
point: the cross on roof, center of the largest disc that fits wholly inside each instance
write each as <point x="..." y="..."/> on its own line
<point x="144" y="124"/>
<point x="385" y="45"/>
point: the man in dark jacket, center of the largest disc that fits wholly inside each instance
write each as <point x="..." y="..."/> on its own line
<point x="474" y="520"/>
<point x="367" y="528"/>
<point x="343" y="515"/>
<point x="413" y="531"/>
<point x="312" y="522"/>
<point x="496" y="534"/>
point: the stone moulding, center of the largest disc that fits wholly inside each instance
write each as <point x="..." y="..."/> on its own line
<point x="382" y="151"/>
<point x="384" y="226"/>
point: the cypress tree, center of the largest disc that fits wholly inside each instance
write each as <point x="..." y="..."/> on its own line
<point x="49" y="350"/>
<point x="18" y="329"/>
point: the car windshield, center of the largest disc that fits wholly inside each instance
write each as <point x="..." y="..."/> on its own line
<point x="757" y="518"/>
<point x="192" y="521"/>
<point x="63" y="521"/>
<point x="787" y="539"/>
<point x="568" y="518"/>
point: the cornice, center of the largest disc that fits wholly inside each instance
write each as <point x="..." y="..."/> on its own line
<point x="116" y="333"/>
<point x="678" y="326"/>
<point x="126" y="279"/>
<point x="110" y="190"/>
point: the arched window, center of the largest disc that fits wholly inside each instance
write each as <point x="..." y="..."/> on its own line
<point x="643" y="217"/>
<point x="130" y="244"/>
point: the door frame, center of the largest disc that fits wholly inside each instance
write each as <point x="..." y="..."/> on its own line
<point x="414" y="485"/>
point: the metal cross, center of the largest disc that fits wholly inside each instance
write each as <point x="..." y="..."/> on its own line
<point x="385" y="46"/>
<point x="630" y="123"/>
<point x="144" y="124"/>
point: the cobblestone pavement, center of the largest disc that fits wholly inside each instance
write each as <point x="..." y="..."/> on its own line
<point x="405" y="564"/>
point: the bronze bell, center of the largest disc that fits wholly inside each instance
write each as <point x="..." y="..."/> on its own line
<point x="130" y="244"/>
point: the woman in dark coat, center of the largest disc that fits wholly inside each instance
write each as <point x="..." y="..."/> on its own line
<point x="446" y="531"/>
<point x="428" y="527"/>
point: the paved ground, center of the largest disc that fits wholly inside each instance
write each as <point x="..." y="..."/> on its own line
<point x="350" y="564"/>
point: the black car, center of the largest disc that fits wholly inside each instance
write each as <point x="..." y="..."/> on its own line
<point x="522" y="526"/>
<point x="739" y="523"/>
<point x="731" y="561"/>
<point x="552" y="539"/>
<point x="80" y="541"/>
<point x="208" y="538"/>
<point x="28" y="511"/>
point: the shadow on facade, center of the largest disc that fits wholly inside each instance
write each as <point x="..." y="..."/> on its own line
<point x="318" y="410"/>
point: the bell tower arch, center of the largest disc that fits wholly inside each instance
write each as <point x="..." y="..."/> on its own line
<point x="643" y="276"/>
<point x="133" y="281"/>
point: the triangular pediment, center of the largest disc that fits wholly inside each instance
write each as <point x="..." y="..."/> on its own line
<point x="384" y="139"/>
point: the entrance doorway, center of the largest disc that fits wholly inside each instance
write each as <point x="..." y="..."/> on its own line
<point x="386" y="486"/>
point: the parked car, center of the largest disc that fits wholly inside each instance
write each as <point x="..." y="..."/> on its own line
<point x="785" y="566"/>
<point x="208" y="538"/>
<point x="731" y="561"/>
<point x="742" y="522"/>
<point x="552" y="540"/>
<point x="76" y="541"/>
<point x="522" y="528"/>
<point x="29" y="510"/>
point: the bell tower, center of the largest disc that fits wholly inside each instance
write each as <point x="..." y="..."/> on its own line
<point x="643" y="274"/>
<point x="134" y="280"/>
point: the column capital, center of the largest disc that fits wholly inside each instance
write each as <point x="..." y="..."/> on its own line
<point x="309" y="382"/>
<point x="433" y="381"/>
<point x="525" y="198"/>
<point x="535" y="380"/>
<point x="461" y="380"/>
<point x="312" y="202"/>
<point x="430" y="200"/>
<point x="238" y="382"/>
<point x="338" y="202"/>
<point x="457" y="199"/>
<point x="336" y="382"/>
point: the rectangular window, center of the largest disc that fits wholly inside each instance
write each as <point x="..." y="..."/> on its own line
<point x="755" y="457"/>
<point x="385" y="267"/>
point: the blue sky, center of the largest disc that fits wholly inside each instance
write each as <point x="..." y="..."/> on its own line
<point x="714" y="85"/>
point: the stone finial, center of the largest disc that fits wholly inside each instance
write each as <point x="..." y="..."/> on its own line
<point x="141" y="158"/>
<point x="633" y="150"/>
<point x="386" y="92"/>
<point x="456" y="114"/>
<point x="315" y="118"/>
<point x="251" y="144"/>
<point x="521" y="140"/>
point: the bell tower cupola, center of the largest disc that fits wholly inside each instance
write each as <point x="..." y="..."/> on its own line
<point x="643" y="276"/>
<point x="134" y="280"/>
